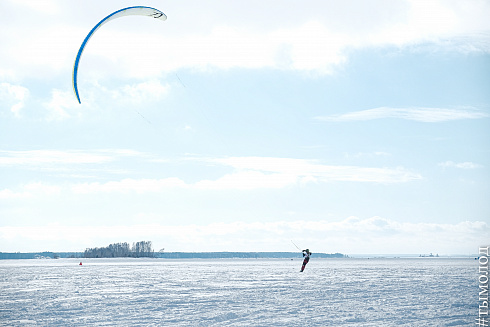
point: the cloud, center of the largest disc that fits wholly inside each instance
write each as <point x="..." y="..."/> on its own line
<point x="313" y="42"/>
<point x="31" y="190"/>
<point x="367" y="154"/>
<point x="319" y="45"/>
<point x="70" y="163"/>
<point x="248" y="180"/>
<point x="9" y="194"/>
<point x="313" y="171"/>
<point x="129" y="185"/>
<point x="252" y="173"/>
<point x="143" y="92"/>
<point x="307" y="47"/>
<point x="13" y="96"/>
<point x="460" y="165"/>
<point x="314" y="39"/>
<point x="427" y="115"/>
<point x="62" y="105"/>
<point x="249" y="173"/>
<point x="39" y="53"/>
<point x="351" y="235"/>
<point x="235" y="181"/>
<point x="42" y="6"/>
<point x="43" y="157"/>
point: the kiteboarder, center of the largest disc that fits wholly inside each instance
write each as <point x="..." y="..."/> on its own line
<point x="306" y="255"/>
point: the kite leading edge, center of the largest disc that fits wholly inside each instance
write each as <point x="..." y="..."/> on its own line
<point x="137" y="10"/>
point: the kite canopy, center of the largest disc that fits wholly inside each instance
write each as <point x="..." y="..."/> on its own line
<point x="138" y="10"/>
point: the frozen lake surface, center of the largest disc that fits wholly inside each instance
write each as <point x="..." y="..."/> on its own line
<point x="241" y="292"/>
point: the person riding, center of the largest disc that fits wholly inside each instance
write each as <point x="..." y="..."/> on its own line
<point x="306" y="255"/>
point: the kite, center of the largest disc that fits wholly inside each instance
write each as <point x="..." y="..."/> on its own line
<point x="137" y="10"/>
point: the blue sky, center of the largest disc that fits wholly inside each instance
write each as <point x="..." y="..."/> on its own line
<point x="353" y="126"/>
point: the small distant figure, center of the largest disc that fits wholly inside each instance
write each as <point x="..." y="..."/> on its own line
<point x="80" y="263"/>
<point x="306" y="255"/>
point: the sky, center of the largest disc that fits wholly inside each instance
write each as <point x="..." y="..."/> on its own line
<point x="359" y="127"/>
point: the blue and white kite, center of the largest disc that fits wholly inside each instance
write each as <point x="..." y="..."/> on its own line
<point x="138" y="10"/>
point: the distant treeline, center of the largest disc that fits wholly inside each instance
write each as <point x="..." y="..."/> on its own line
<point x="124" y="250"/>
<point x="39" y="255"/>
<point x="121" y="250"/>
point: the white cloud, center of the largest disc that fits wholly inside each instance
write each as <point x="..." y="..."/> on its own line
<point x="9" y="194"/>
<point x="70" y="163"/>
<point x="351" y="235"/>
<point x="42" y="6"/>
<point x="31" y="190"/>
<point x="62" y="105"/>
<point x="66" y="157"/>
<point x="423" y="21"/>
<point x="258" y="173"/>
<point x="309" y="46"/>
<point x="235" y="181"/>
<point x="13" y="96"/>
<point x="40" y="52"/>
<point x="42" y="188"/>
<point x="315" y="38"/>
<point x="249" y="173"/>
<point x="248" y="180"/>
<point x="427" y="115"/>
<point x="460" y="165"/>
<point x="367" y="155"/>
<point x="312" y="170"/>
<point x="315" y="43"/>
<point x="382" y="235"/>
<point x="129" y="185"/>
<point x="143" y="92"/>
<point x="42" y="157"/>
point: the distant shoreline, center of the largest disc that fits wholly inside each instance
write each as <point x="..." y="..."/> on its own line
<point x="228" y="255"/>
<point x="175" y="255"/>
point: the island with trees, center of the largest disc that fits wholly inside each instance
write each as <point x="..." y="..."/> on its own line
<point x="144" y="249"/>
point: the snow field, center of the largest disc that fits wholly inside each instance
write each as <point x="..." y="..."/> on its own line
<point x="241" y="292"/>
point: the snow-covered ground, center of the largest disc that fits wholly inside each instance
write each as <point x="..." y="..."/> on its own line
<point x="159" y="292"/>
